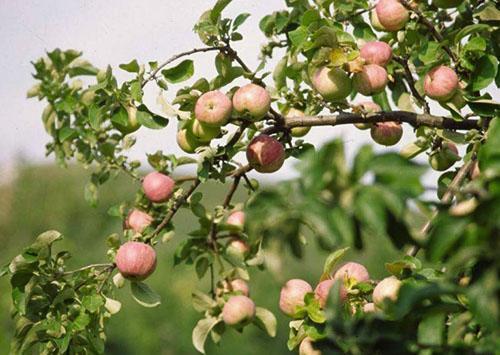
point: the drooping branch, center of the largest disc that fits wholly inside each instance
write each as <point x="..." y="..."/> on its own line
<point x="412" y="118"/>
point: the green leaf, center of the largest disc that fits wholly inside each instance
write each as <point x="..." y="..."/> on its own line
<point x="92" y="303"/>
<point x="362" y="162"/>
<point x="201" y="266"/>
<point x="147" y="119"/>
<point x="330" y="262"/>
<point x="279" y="73"/>
<point x="265" y="320"/>
<point x="90" y="194"/>
<point x="219" y="6"/>
<point x="431" y="329"/>
<point x="202" y="302"/>
<point x="467" y="30"/>
<point x="46" y="239"/>
<point x="67" y="133"/>
<point x="239" y="20"/>
<point x="144" y="295"/>
<point x="131" y="67"/>
<point x="201" y="331"/>
<point x="486" y="70"/>
<point x="181" y="72"/>
<point x="95" y="116"/>
<point x="298" y="36"/>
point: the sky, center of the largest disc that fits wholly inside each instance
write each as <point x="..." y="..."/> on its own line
<point x="114" y="32"/>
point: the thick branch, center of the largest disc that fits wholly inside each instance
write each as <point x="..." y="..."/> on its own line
<point x="412" y="118"/>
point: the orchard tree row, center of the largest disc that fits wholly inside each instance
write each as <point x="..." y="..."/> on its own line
<point x="385" y="67"/>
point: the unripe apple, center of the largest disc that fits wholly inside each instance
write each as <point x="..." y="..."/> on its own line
<point x="213" y="108"/>
<point x="187" y="141"/>
<point x="204" y="133"/>
<point x="441" y="83"/>
<point x="238" y="310"/>
<point x="386" y="133"/>
<point x="475" y="172"/>
<point x="135" y="260"/>
<point x="444" y="157"/>
<point x="252" y="99"/>
<point x="306" y="347"/>
<point x="322" y="291"/>
<point x="392" y="15"/>
<point x="371" y="80"/>
<point x="350" y="273"/>
<point x="138" y="220"/>
<point x="236" y="285"/>
<point x="364" y="108"/>
<point x="333" y="84"/>
<point x="237" y="218"/>
<point x="158" y="187"/>
<point x="131" y="125"/>
<point x="265" y="154"/>
<point x="376" y="52"/>
<point x="375" y="22"/>
<point x="369" y="308"/>
<point x="292" y="296"/>
<point x="238" y="248"/>
<point x="388" y="288"/>
<point x="87" y="97"/>
<point x="446" y="4"/>
<point x="297" y="131"/>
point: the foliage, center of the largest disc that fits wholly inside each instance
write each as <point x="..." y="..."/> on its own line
<point x="453" y="284"/>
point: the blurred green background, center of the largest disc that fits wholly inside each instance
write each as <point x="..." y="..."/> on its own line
<point x="48" y="197"/>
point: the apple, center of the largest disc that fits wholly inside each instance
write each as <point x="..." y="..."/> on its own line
<point x="213" y="108"/>
<point x="158" y="187"/>
<point x="204" y="133"/>
<point x="369" y="308"/>
<point x="375" y="22"/>
<point x="187" y="141"/>
<point x="388" y="288"/>
<point x="238" y="248"/>
<point x="376" y="52"/>
<point x="444" y="158"/>
<point x="265" y="154"/>
<point x="128" y="125"/>
<point x="292" y="296"/>
<point x="322" y="291"/>
<point x="391" y="14"/>
<point x="364" y="108"/>
<point x="333" y="84"/>
<point x="138" y="220"/>
<point x="386" y="133"/>
<point x="253" y="100"/>
<point x="350" y="273"/>
<point x="446" y="4"/>
<point x="237" y="218"/>
<point x="297" y="131"/>
<point x="306" y="347"/>
<point x="441" y="83"/>
<point x="135" y="260"/>
<point x="371" y="80"/>
<point x="236" y="285"/>
<point x="238" y="310"/>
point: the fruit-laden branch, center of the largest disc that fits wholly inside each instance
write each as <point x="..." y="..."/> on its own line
<point x="177" y="56"/>
<point x="435" y="33"/>
<point x="414" y="119"/>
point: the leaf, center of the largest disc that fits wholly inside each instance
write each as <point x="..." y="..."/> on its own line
<point x="431" y="329"/>
<point x="265" y="320"/>
<point x="201" y="266"/>
<point x="330" y="262"/>
<point x="90" y="194"/>
<point x="279" y="73"/>
<point x="46" y="239"/>
<point x="150" y="120"/>
<point x="467" y="30"/>
<point x="201" y="331"/>
<point x="362" y="162"/>
<point x="92" y="303"/>
<point x="240" y="19"/>
<point x="219" y="6"/>
<point x="95" y="116"/>
<point x="202" y="302"/>
<point x="113" y="306"/>
<point x="298" y="36"/>
<point x="67" y="133"/>
<point x="131" y="67"/>
<point x="486" y="70"/>
<point x="181" y="72"/>
<point x="144" y="295"/>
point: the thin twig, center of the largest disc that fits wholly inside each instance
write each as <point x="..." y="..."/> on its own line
<point x="411" y="83"/>
<point x="83" y="268"/>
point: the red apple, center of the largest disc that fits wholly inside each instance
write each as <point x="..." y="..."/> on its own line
<point x="265" y="154"/>
<point x="369" y="308"/>
<point x="391" y="14"/>
<point x="236" y="285"/>
<point x="333" y="84"/>
<point x="386" y="133"/>
<point x="322" y="291"/>
<point x="135" y="260"/>
<point x="158" y="187"/>
<point x="252" y="99"/>
<point x="213" y="108"/>
<point x="371" y="80"/>
<point x="388" y="288"/>
<point x="441" y="83"/>
<point x="376" y="52"/>
<point x="292" y="296"/>
<point x="375" y="21"/>
<point x="138" y="220"/>
<point x="364" y="108"/>
<point x="237" y="218"/>
<point x="444" y="157"/>
<point x="350" y="273"/>
<point x="238" y="310"/>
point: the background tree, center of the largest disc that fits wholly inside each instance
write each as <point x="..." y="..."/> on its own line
<point x="443" y="294"/>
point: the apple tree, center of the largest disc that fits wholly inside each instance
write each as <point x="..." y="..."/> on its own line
<point x="428" y="67"/>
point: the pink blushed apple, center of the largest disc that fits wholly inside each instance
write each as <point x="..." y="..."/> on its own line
<point x="213" y="108"/>
<point x="158" y="187"/>
<point x="135" y="260"/>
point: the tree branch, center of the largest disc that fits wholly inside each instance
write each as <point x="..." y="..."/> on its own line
<point x="411" y="83"/>
<point x="412" y="118"/>
<point x="91" y="266"/>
